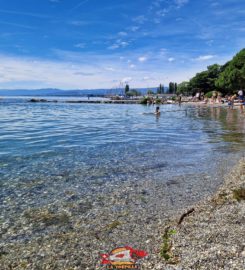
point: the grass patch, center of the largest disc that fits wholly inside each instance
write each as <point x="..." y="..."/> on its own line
<point x="220" y="199"/>
<point x="165" y="251"/>
<point x="239" y="194"/>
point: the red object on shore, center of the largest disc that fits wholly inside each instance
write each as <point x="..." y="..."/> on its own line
<point x="123" y="255"/>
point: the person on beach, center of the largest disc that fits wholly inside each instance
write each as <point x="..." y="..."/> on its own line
<point x="242" y="106"/>
<point x="197" y="96"/>
<point x="241" y="99"/>
<point x="157" y="112"/>
<point x="179" y="99"/>
<point x="231" y="101"/>
<point x="240" y="95"/>
<point x="214" y="96"/>
<point x="219" y="97"/>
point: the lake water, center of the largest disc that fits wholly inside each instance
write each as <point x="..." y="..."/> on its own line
<point x="47" y="148"/>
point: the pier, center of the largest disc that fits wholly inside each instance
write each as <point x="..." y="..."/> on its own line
<point x="124" y="101"/>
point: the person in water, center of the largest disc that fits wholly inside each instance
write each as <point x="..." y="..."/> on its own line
<point x="231" y="100"/>
<point x="157" y="112"/>
<point x="179" y="99"/>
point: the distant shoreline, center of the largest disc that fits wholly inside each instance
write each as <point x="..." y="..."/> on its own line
<point x="128" y="101"/>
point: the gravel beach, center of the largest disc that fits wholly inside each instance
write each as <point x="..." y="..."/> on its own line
<point x="72" y="236"/>
<point x="210" y="235"/>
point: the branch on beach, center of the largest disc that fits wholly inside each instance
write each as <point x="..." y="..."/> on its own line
<point x="185" y="215"/>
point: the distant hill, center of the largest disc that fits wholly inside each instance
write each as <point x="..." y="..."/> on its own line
<point x="49" y="92"/>
<point x="58" y="92"/>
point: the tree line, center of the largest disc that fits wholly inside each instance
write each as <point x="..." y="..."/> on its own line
<point x="172" y="89"/>
<point x="227" y="78"/>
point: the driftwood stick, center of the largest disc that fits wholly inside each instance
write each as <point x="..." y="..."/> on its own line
<point x="185" y="215"/>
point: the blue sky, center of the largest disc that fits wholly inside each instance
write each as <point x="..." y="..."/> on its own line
<point x="71" y="44"/>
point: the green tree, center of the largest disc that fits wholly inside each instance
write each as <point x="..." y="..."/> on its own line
<point x="160" y="89"/>
<point x="150" y="92"/>
<point x="205" y="80"/>
<point x="133" y="93"/>
<point x="226" y="79"/>
<point x="213" y="74"/>
<point x="232" y="76"/>
<point x="183" y="88"/>
<point x="171" y="88"/>
<point x="126" y="89"/>
<point x="200" y="81"/>
<point x="175" y="87"/>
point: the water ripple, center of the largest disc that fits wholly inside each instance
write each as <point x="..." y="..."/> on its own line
<point x="35" y="134"/>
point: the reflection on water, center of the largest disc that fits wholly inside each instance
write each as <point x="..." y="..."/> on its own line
<point x="233" y="123"/>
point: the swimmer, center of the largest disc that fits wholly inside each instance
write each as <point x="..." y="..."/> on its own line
<point x="179" y="99"/>
<point x="157" y="112"/>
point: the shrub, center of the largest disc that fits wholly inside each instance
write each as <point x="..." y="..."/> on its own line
<point x="210" y="94"/>
<point x="144" y="100"/>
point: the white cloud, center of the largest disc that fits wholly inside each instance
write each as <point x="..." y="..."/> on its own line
<point x="171" y="59"/>
<point x="242" y="29"/>
<point x="180" y="3"/>
<point x="124" y="44"/>
<point x="163" y="52"/>
<point x="113" y="47"/>
<point x="157" y="21"/>
<point x="127" y="79"/>
<point x="24" y="26"/>
<point x="80" y="45"/>
<point x="134" y="28"/>
<point x="14" y="12"/>
<point x="29" y="73"/>
<point x="215" y="4"/>
<point x="162" y="12"/>
<point x="156" y="3"/>
<point x="210" y="42"/>
<point x="79" y="23"/>
<point x="204" y="57"/>
<point x="122" y="34"/>
<point x="109" y="69"/>
<point x="142" y="59"/>
<point x="118" y="44"/>
<point x="179" y="19"/>
<point x="79" y="5"/>
<point x="140" y="19"/>
<point x="80" y="70"/>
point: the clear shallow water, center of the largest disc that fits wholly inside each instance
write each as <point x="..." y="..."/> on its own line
<point x="48" y="148"/>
